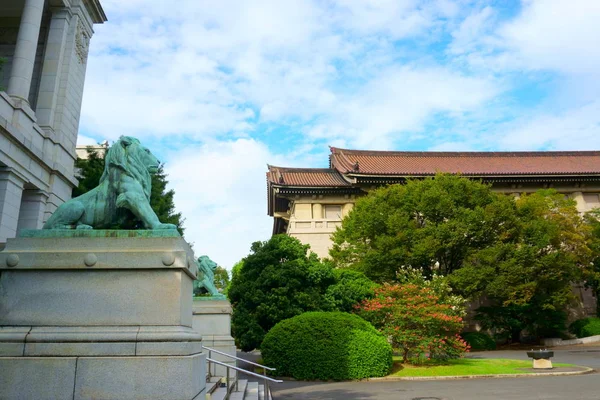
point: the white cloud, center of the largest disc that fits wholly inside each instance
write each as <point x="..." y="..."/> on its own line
<point x="575" y="129"/>
<point x="469" y="34"/>
<point x="555" y="34"/>
<point x="399" y="101"/>
<point x="85" y="141"/>
<point x="215" y="69"/>
<point x="349" y="73"/>
<point x="220" y="188"/>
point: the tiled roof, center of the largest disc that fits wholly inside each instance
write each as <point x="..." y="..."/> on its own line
<point x="402" y="163"/>
<point x="305" y="177"/>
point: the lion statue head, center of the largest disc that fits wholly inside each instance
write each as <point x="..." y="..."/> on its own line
<point x="206" y="264"/>
<point x="131" y="157"/>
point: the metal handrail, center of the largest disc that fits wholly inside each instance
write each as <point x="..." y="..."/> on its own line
<point x="265" y="377"/>
<point x="237" y="358"/>
<point x="245" y="371"/>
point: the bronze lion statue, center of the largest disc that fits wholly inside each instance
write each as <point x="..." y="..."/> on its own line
<point x="206" y="278"/>
<point x="122" y="198"/>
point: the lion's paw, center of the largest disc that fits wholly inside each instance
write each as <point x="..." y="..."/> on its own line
<point x="83" y="226"/>
<point x="166" y="226"/>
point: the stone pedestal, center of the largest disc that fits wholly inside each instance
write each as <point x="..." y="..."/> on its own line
<point x="542" y="363"/>
<point x="99" y="315"/>
<point x="212" y="319"/>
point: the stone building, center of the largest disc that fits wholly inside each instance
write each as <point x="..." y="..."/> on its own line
<point x="100" y="149"/>
<point x="45" y="47"/>
<point x="309" y="203"/>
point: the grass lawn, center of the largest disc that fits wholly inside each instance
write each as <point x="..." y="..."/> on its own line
<point x="465" y="366"/>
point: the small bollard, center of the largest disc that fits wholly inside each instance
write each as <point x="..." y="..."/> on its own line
<point x="541" y="358"/>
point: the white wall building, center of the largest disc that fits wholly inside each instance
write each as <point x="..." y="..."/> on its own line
<point x="45" y="45"/>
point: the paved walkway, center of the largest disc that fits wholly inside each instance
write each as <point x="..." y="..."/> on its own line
<point x="582" y="387"/>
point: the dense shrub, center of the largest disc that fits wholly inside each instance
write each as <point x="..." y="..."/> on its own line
<point x="585" y="327"/>
<point x="479" y="340"/>
<point x="327" y="346"/>
<point x="279" y="279"/>
<point x="349" y="289"/>
<point x="417" y="320"/>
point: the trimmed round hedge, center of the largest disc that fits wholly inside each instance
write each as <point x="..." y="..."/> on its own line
<point x="479" y="341"/>
<point x="585" y="327"/>
<point x="326" y="346"/>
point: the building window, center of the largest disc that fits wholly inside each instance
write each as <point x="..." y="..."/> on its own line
<point x="332" y="212"/>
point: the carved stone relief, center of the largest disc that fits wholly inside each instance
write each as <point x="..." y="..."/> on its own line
<point x="82" y="42"/>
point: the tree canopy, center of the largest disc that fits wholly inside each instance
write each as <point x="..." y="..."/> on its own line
<point x="430" y="224"/>
<point x="522" y="254"/>
<point x="280" y="279"/>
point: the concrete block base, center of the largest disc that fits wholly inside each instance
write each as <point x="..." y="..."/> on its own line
<point x="167" y="377"/>
<point x="93" y="315"/>
<point x="212" y="320"/>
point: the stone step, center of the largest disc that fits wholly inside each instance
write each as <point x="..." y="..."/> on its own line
<point x="261" y="392"/>
<point x="214" y="391"/>
<point x="239" y="394"/>
<point x="251" y="391"/>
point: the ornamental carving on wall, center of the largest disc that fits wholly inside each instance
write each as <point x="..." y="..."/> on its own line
<point x="82" y="43"/>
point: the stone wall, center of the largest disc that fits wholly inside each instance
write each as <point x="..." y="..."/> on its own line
<point x="40" y="110"/>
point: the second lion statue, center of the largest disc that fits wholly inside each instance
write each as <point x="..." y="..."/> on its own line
<point x="122" y="198"/>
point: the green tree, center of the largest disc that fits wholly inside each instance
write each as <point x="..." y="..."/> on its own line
<point x="90" y="171"/>
<point x="529" y="278"/>
<point x="431" y="225"/>
<point x="161" y="199"/>
<point x="279" y="279"/>
<point x="592" y="275"/>
<point x="237" y="267"/>
<point x="523" y="254"/>
<point x="350" y="288"/>
<point x="221" y="279"/>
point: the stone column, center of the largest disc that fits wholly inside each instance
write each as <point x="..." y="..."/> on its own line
<point x="317" y="211"/>
<point x="347" y="208"/>
<point x="24" y="58"/>
<point x="578" y="197"/>
<point x="52" y="67"/>
<point x="33" y="205"/>
<point x="11" y="189"/>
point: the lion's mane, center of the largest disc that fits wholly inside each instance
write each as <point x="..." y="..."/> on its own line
<point x="128" y="160"/>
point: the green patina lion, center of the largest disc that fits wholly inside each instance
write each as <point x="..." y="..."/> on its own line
<point x="207" y="280"/>
<point x="122" y="198"/>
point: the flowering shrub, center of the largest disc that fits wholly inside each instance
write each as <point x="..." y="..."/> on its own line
<point x="417" y="321"/>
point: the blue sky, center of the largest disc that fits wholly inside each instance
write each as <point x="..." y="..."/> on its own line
<point x="218" y="89"/>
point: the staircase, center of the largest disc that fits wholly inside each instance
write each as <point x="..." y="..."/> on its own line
<point x="224" y="388"/>
<point x="245" y="390"/>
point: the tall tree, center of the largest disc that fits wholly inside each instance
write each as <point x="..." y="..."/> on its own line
<point x="592" y="275"/>
<point x="431" y="225"/>
<point x="524" y="255"/>
<point x="529" y="279"/>
<point x="279" y="280"/>
<point x="90" y="171"/>
<point x="161" y="199"/>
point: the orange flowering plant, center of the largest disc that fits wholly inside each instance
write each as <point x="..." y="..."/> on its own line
<point x="417" y="321"/>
